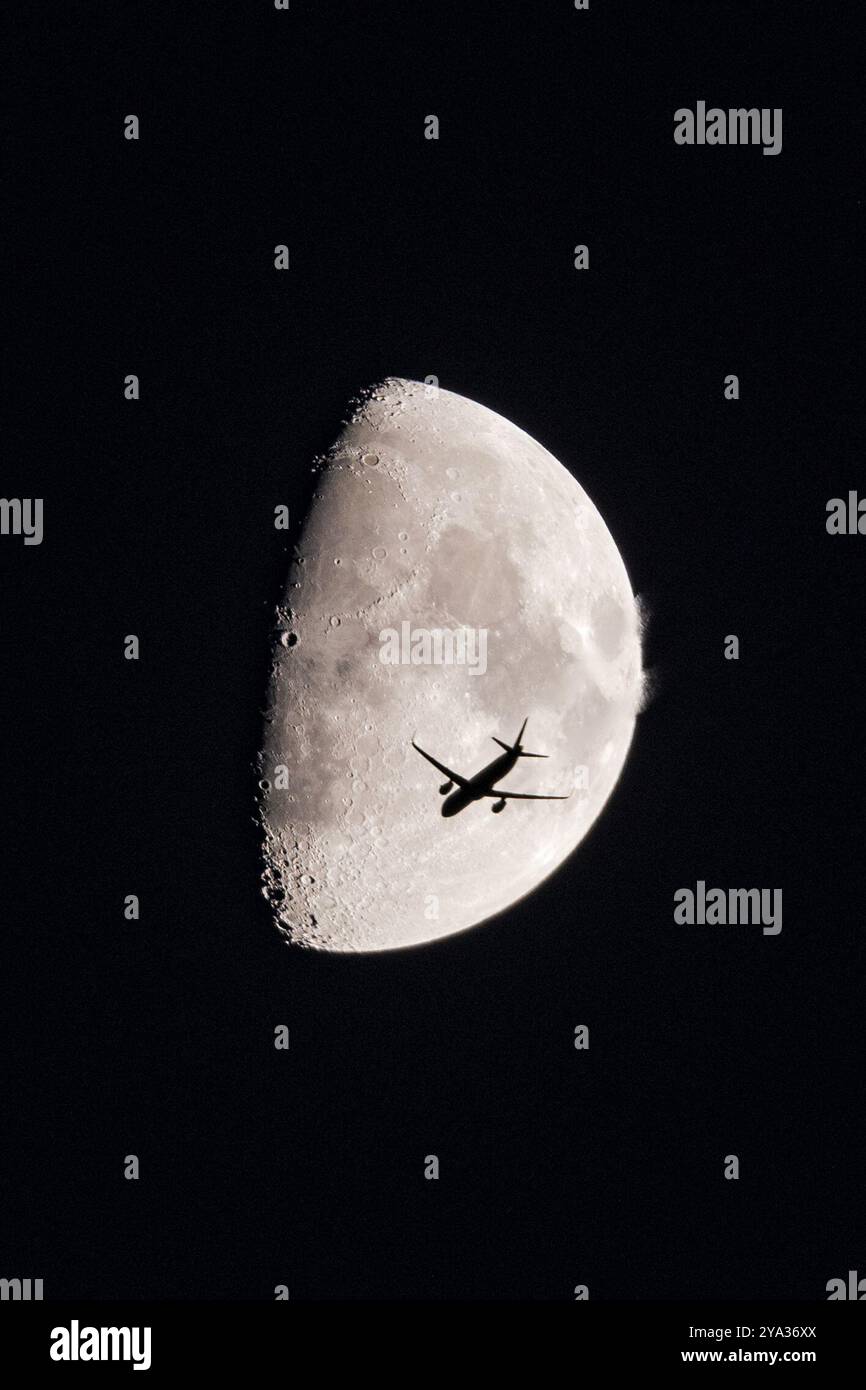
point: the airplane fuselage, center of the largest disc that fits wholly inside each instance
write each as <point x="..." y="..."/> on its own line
<point x="477" y="786"/>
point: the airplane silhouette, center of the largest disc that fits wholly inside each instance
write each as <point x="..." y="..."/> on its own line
<point x="483" y="784"/>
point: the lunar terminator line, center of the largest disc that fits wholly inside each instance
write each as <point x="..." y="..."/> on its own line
<point x="483" y="784"/>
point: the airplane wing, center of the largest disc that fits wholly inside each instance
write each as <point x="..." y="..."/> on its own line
<point x="454" y="776"/>
<point x="523" y="796"/>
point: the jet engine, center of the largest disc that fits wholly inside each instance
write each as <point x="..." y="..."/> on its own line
<point x="498" y="806"/>
<point x="446" y="787"/>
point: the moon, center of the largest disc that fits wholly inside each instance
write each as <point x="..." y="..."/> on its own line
<point x="432" y="513"/>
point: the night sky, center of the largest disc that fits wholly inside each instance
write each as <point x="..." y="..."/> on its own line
<point x="412" y="257"/>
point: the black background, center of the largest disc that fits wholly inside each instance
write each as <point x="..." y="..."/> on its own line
<point x="452" y="258"/>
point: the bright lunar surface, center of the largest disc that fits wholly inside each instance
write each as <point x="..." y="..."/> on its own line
<point x="432" y="513"/>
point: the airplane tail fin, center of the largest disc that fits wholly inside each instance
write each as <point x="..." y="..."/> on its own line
<point x="519" y="751"/>
<point x="515" y="747"/>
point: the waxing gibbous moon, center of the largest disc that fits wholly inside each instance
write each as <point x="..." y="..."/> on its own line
<point x="434" y="512"/>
